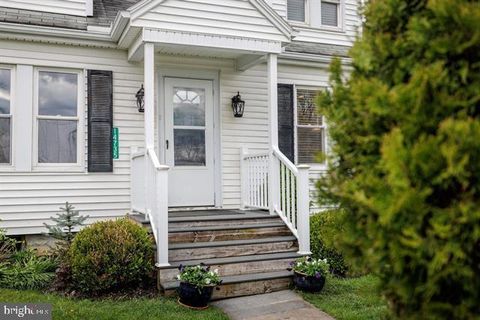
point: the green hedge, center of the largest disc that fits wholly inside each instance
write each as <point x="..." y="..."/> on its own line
<point x="405" y="154"/>
<point x="111" y="255"/>
<point x="324" y="227"/>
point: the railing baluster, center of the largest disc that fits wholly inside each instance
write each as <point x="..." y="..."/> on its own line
<point x="293" y="186"/>
<point x="283" y="197"/>
<point x="252" y="180"/>
<point x="263" y="181"/>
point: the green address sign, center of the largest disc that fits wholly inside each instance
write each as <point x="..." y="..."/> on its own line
<point x="115" y="144"/>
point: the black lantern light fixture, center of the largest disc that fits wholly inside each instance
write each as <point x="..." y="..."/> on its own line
<point x="238" y="106"/>
<point x="140" y="99"/>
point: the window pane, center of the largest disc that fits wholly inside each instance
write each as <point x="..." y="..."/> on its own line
<point x="57" y="141"/>
<point x="5" y="86"/>
<point x="307" y="109"/>
<point x="329" y="14"/>
<point x="57" y="94"/>
<point x="188" y="107"/>
<point x="4" y="140"/>
<point x="296" y="10"/>
<point x="310" y="144"/>
<point x="189" y="147"/>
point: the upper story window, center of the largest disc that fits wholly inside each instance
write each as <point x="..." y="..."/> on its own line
<point x="5" y="115"/>
<point x="315" y="13"/>
<point x="330" y="12"/>
<point x="296" y="10"/>
<point x="58" y="118"/>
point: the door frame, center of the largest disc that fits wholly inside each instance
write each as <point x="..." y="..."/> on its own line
<point x="200" y="74"/>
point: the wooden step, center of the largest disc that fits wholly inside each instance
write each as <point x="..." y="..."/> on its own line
<point x="222" y="220"/>
<point x="230" y="248"/>
<point x="243" y="285"/>
<point x="227" y="232"/>
<point x="234" y="265"/>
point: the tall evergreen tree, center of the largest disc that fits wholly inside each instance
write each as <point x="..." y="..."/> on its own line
<point x="405" y="162"/>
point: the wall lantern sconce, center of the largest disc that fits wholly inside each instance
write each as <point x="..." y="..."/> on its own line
<point x="238" y="106"/>
<point x="140" y="99"/>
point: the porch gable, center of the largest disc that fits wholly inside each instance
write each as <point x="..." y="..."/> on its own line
<point x="241" y="19"/>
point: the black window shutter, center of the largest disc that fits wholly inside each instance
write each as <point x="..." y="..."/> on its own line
<point x="285" y="121"/>
<point x="100" y="121"/>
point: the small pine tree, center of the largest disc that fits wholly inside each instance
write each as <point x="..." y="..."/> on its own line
<point x="66" y="222"/>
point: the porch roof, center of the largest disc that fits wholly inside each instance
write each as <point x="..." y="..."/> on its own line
<point x="224" y="28"/>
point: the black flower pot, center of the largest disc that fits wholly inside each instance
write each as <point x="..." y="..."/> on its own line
<point x="308" y="283"/>
<point x="195" y="297"/>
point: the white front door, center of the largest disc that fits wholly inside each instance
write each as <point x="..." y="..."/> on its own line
<point x="189" y="142"/>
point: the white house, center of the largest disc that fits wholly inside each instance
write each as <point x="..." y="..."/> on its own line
<point x="69" y="74"/>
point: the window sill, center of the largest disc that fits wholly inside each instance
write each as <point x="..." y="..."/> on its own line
<point x="335" y="30"/>
<point x="59" y="169"/>
<point x="7" y="168"/>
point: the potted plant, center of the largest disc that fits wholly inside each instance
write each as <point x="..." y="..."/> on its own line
<point x="196" y="285"/>
<point x="309" y="274"/>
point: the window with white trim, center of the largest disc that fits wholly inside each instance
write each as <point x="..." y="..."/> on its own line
<point x="330" y="13"/>
<point x="309" y="126"/>
<point x="296" y="10"/>
<point x="59" y="118"/>
<point x="316" y="13"/>
<point x="5" y="116"/>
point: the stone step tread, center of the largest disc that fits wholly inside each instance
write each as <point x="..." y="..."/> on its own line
<point x="241" y="217"/>
<point x="227" y="227"/>
<point x="213" y="212"/>
<point x="250" y="277"/>
<point x="189" y="245"/>
<point x="239" y="259"/>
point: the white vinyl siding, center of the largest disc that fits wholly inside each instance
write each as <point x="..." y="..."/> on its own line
<point x="28" y="199"/>
<point x="69" y="7"/>
<point x="296" y="10"/>
<point x="212" y="17"/>
<point x="280" y="6"/>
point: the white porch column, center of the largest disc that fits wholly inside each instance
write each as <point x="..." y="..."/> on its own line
<point x="149" y="85"/>
<point x="273" y="99"/>
<point x="274" y="167"/>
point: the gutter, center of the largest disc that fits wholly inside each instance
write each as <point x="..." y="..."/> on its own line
<point x="106" y="36"/>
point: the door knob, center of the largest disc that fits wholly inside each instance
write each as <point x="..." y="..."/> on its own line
<point x="166" y="144"/>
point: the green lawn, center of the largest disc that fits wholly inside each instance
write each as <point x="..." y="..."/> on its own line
<point x="350" y="299"/>
<point x="64" y="308"/>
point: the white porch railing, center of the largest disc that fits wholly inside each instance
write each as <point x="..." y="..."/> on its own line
<point x="289" y="195"/>
<point x="150" y="196"/>
<point x="254" y="179"/>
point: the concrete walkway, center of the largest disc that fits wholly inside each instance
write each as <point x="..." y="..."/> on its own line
<point x="280" y="305"/>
